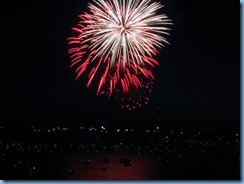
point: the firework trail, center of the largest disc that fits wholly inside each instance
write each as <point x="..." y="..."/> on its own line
<point x="115" y="44"/>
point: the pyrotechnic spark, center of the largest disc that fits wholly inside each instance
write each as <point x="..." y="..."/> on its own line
<point x="136" y="98"/>
<point x="116" y="43"/>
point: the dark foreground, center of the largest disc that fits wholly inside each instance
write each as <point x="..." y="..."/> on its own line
<point x="144" y="167"/>
<point x="155" y="155"/>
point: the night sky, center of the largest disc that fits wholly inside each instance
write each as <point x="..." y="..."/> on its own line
<point x="197" y="83"/>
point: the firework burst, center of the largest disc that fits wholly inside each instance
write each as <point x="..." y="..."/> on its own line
<point x="116" y="42"/>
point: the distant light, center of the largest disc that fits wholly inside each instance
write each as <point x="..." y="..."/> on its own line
<point x="102" y="127"/>
<point x="90" y="129"/>
<point x="118" y="130"/>
<point x="126" y="130"/>
<point x="181" y="132"/>
<point x="157" y="128"/>
<point x="237" y="135"/>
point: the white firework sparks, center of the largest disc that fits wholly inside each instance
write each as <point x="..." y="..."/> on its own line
<point x="116" y="44"/>
<point x="124" y="30"/>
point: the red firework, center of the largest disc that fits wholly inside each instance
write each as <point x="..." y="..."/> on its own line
<point x="114" y="46"/>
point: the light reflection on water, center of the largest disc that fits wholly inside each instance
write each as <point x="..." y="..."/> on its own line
<point x="76" y="167"/>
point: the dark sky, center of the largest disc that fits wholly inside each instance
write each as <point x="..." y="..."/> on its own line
<point x="197" y="83"/>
